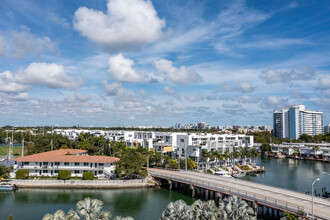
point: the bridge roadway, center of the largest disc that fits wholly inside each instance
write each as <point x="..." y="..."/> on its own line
<point x="277" y="198"/>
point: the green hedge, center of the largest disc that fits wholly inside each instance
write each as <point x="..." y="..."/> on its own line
<point x="88" y="176"/>
<point x="64" y="174"/>
<point x="22" y="174"/>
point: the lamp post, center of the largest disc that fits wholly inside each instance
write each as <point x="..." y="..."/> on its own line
<point x="318" y="179"/>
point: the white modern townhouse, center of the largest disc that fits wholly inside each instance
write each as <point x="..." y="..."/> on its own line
<point x="77" y="161"/>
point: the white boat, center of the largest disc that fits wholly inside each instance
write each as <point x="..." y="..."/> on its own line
<point x="237" y="175"/>
<point x="223" y="173"/>
<point x="7" y="186"/>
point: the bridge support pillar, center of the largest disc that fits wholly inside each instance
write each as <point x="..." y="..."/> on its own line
<point x="170" y="184"/>
<point x="206" y="194"/>
<point x="176" y="185"/>
<point x="261" y="210"/>
<point x="192" y="191"/>
<point x="218" y="197"/>
<point x="211" y="195"/>
<point x="255" y="208"/>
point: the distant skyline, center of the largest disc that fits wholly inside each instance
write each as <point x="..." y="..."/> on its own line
<point x="135" y="62"/>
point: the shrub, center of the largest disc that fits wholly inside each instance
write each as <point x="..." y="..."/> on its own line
<point x="64" y="174"/>
<point x="88" y="176"/>
<point x="22" y="174"/>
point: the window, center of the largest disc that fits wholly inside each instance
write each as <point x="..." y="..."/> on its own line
<point x="45" y="171"/>
<point x="66" y="163"/>
<point x="57" y="163"/>
<point x="76" y="164"/>
<point x="85" y="164"/>
<point x="45" y="163"/>
<point x="76" y="171"/>
<point x="100" y="172"/>
<point x="26" y="163"/>
<point x="56" y="171"/>
<point x="181" y="140"/>
<point x="101" y="164"/>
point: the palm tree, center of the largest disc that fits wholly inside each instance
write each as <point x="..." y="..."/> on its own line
<point x="315" y="149"/>
<point x="58" y="215"/>
<point x="177" y="210"/>
<point x="205" y="156"/>
<point x="123" y="218"/>
<point x="227" y="156"/>
<point x="254" y="153"/>
<point x="87" y="209"/>
<point x="206" y="210"/>
<point x="237" y="209"/>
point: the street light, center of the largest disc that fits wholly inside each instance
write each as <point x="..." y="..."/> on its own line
<point x="318" y="179"/>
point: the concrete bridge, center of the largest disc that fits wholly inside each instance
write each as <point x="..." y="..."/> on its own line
<point x="266" y="200"/>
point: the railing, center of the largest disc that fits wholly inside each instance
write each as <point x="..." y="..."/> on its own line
<point x="83" y="182"/>
<point x="48" y="167"/>
<point x="272" y="202"/>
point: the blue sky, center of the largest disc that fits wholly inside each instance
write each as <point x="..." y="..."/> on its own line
<point x="136" y="62"/>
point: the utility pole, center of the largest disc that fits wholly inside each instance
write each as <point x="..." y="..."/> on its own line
<point x="185" y="156"/>
<point x="12" y="144"/>
<point x="23" y="147"/>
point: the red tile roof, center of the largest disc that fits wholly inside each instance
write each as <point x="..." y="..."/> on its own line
<point x="62" y="155"/>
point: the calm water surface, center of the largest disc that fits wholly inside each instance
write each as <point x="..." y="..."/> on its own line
<point x="33" y="204"/>
<point x="296" y="175"/>
<point x="148" y="204"/>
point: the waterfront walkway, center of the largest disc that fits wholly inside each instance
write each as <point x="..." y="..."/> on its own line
<point x="277" y="198"/>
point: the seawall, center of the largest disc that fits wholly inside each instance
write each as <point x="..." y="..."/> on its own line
<point x="82" y="184"/>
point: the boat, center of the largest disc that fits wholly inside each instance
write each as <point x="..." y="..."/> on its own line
<point x="238" y="175"/>
<point x="7" y="186"/>
<point x="223" y="173"/>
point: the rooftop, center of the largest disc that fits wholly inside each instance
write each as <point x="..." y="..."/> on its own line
<point x="66" y="155"/>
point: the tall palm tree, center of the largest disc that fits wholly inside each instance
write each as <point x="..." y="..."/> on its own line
<point x="253" y="153"/>
<point x="206" y="156"/>
<point x="177" y="210"/>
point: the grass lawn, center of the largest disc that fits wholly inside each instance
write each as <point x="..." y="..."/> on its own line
<point x="4" y="151"/>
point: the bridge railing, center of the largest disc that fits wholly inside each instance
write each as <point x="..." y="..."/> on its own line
<point x="282" y="205"/>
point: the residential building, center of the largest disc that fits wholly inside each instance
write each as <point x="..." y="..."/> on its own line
<point x="77" y="161"/>
<point x="327" y="128"/>
<point x="295" y="120"/>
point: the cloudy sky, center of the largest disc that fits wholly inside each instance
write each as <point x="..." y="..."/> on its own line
<point x="137" y="62"/>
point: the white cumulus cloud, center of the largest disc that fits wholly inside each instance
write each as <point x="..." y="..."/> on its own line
<point x="50" y="75"/>
<point x="122" y="69"/>
<point x="126" y="24"/>
<point x="18" y="44"/>
<point x="324" y="82"/>
<point x="8" y="83"/>
<point x="177" y="75"/>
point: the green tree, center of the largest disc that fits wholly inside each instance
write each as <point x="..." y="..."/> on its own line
<point x="4" y="171"/>
<point x="64" y="174"/>
<point x="265" y="148"/>
<point x="173" y="164"/>
<point x="130" y="164"/>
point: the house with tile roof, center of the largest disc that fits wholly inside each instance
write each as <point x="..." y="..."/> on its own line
<point x="77" y="161"/>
